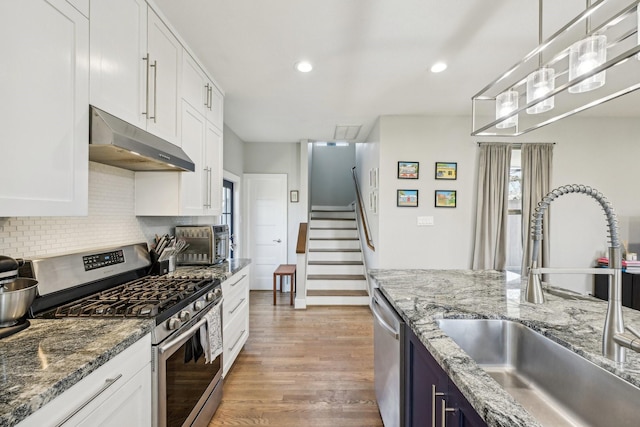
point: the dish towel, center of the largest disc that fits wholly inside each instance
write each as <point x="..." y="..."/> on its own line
<point x="211" y="334"/>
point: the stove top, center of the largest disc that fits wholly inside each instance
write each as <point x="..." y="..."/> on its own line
<point x="147" y="297"/>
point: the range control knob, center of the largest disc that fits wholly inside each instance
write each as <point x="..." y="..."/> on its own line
<point x="173" y="323"/>
<point x="184" y="316"/>
<point x="198" y="305"/>
<point x="210" y="296"/>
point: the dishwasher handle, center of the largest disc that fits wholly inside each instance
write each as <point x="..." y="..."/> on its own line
<point x="376" y="312"/>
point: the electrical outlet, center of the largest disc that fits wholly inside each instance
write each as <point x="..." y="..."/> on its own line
<point x="425" y="220"/>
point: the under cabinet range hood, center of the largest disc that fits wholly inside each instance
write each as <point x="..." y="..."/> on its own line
<point x="114" y="142"/>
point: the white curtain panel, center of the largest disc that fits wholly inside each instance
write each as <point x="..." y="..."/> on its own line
<point x="537" y="161"/>
<point x="490" y="248"/>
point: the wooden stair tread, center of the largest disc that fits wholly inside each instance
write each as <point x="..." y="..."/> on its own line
<point x="333" y="228"/>
<point x="333" y="238"/>
<point x="336" y="277"/>
<point x="336" y="293"/>
<point x="334" y="250"/>
<point x="331" y="219"/>
<point x="334" y="263"/>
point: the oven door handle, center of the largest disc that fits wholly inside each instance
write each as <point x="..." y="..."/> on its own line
<point x="184" y="336"/>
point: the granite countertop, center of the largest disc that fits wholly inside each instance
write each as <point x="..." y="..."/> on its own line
<point x="221" y="271"/>
<point x="46" y="359"/>
<point x="576" y="322"/>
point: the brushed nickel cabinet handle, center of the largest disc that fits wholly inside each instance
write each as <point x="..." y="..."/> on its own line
<point x="146" y="87"/>
<point x="236" y="307"/>
<point x="239" y="280"/>
<point x="444" y="412"/>
<point x="238" y="340"/>
<point x="434" y="393"/>
<point x="155" y="90"/>
<point x="107" y="383"/>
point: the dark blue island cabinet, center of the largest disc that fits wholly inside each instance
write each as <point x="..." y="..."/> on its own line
<point x="431" y="398"/>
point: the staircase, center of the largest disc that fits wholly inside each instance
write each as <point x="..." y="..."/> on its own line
<point x="335" y="269"/>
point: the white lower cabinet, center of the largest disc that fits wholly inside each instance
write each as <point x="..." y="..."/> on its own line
<point x="235" y="316"/>
<point x="116" y="394"/>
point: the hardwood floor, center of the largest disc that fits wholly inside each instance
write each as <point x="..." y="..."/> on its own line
<point x="310" y="367"/>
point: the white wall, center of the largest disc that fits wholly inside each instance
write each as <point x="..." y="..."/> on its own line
<point x="233" y="152"/>
<point x="601" y="152"/>
<point x="331" y="180"/>
<point x="280" y="158"/>
<point x="368" y="158"/>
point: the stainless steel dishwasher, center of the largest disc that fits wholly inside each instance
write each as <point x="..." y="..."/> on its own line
<point x="388" y="360"/>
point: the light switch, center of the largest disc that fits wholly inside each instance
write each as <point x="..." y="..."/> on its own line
<point x="425" y="220"/>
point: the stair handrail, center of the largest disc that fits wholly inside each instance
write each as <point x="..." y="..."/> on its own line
<point x="301" y="244"/>
<point x="363" y="214"/>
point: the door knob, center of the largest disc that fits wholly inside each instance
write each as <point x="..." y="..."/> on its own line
<point x="278" y="241"/>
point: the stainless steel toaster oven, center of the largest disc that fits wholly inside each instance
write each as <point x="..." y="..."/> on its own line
<point x="207" y="244"/>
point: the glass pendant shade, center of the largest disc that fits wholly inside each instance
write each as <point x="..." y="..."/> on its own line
<point x="584" y="56"/>
<point x="540" y="83"/>
<point x="507" y="102"/>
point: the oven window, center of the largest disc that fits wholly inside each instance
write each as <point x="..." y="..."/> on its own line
<point x="188" y="376"/>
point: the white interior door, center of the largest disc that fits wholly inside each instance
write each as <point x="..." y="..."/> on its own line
<point x="266" y="206"/>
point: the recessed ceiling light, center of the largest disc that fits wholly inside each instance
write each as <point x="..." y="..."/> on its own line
<point x="438" y="67"/>
<point x="304" y="66"/>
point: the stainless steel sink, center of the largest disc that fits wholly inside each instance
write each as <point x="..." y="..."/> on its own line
<point x="557" y="387"/>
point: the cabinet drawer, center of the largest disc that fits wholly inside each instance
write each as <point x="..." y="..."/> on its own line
<point x="236" y="281"/>
<point x="234" y="336"/>
<point x="234" y="308"/>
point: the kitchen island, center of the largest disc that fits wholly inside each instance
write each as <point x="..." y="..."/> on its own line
<point x="575" y="322"/>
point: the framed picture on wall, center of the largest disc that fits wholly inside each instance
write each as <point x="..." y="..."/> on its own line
<point x="446" y="170"/>
<point x="408" y="170"/>
<point x="407" y="198"/>
<point x="445" y="198"/>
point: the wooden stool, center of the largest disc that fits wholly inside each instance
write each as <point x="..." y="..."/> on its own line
<point x="285" y="270"/>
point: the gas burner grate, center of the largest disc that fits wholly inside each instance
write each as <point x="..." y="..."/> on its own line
<point x="142" y="298"/>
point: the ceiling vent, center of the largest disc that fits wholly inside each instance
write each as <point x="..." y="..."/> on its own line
<point x="346" y="132"/>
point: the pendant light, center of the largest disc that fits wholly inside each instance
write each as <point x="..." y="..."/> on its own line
<point x="541" y="81"/>
<point x="584" y="56"/>
<point x="507" y="102"/>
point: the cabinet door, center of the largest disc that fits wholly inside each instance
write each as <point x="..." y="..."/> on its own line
<point x="195" y="85"/>
<point x="44" y="116"/>
<point x="215" y="106"/>
<point x="165" y="56"/>
<point x="193" y="184"/>
<point x="118" y="65"/>
<point x="213" y="150"/>
<point x="462" y="414"/>
<point x="425" y="384"/>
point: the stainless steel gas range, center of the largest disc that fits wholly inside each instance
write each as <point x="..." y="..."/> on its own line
<point x="113" y="283"/>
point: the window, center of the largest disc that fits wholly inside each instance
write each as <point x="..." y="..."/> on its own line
<point x="227" y="212"/>
<point x="514" y="224"/>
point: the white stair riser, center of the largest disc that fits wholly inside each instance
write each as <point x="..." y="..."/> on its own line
<point x="334" y="244"/>
<point x="336" y="300"/>
<point x="331" y="223"/>
<point x="334" y="256"/>
<point x="335" y="269"/>
<point x="344" y="285"/>
<point x="333" y="233"/>
<point x="332" y="215"/>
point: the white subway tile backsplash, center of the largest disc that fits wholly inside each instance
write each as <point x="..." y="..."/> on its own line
<point x="111" y="221"/>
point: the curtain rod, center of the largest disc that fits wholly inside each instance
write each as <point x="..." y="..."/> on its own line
<point x="515" y="145"/>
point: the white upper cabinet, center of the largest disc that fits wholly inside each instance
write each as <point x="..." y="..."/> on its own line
<point x="118" y="52"/>
<point x="197" y="193"/>
<point x="44" y="114"/>
<point x="165" y="60"/>
<point x="135" y="64"/>
<point x="199" y="91"/>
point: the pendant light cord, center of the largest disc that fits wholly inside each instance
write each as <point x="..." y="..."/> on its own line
<point x="540" y="32"/>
